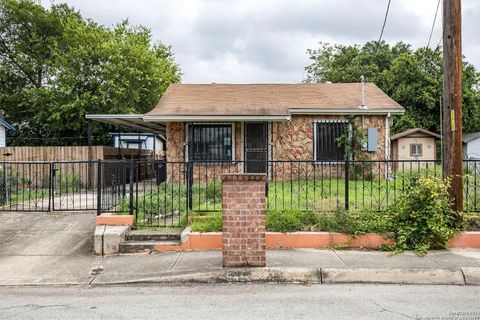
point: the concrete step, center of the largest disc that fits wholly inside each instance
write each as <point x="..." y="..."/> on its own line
<point x="142" y="246"/>
<point x="143" y="236"/>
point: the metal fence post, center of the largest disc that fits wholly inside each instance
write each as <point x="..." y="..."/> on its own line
<point x="131" y="209"/>
<point x="99" y="187"/>
<point x="347" y="178"/>
<point x="190" y="184"/>
<point x="51" y="190"/>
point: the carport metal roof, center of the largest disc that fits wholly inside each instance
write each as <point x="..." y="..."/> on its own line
<point x="134" y="121"/>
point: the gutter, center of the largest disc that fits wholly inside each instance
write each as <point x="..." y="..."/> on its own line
<point x="114" y="116"/>
<point x="174" y="118"/>
<point x="355" y="111"/>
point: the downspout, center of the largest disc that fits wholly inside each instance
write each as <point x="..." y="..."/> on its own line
<point x="387" y="137"/>
<point x="387" y="145"/>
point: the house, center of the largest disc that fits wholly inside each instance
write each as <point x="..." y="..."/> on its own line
<point x="471" y="145"/>
<point x="247" y="127"/>
<point x="414" y="144"/>
<point x="4" y="126"/>
<point x="144" y="140"/>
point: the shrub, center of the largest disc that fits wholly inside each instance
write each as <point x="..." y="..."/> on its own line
<point x="68" y="182"/>
<point x="340" y="221"/>
<point x="288" y="221"/>
<point x="212" y="223"/>
<point x="423" y="218"/>
<point x="213" y="190"/>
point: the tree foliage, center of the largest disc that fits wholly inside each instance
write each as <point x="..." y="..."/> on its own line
<point x="413" y="78"/>
<point x="56" y="66"/>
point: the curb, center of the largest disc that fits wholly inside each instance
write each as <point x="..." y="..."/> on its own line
<point x="306" y="276"/>
<point x="233" y="275"/>
<point x="472" y="275"/>
<point x="393" y="276"/>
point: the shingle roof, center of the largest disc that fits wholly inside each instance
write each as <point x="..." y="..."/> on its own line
<point x="411" y="131"/>
<point x="268" y="99"/>
<point x="467" y="137"/>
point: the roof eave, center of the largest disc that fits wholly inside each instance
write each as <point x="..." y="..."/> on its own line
<point x="133" y="121"/>
<point x="342" y="111"/>
<point x="205" y="118"/>
<point x="7" y="125"/>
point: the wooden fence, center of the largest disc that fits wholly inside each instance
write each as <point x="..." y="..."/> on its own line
<point x="72" y="153"/>
<point x="82" y="173"/>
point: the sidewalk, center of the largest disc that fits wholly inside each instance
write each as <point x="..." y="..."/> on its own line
<point x="306" y="266"/>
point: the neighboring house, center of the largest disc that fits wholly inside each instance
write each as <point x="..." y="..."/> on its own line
<point x="244" y="125"/>
<point x="471" y="145"/>
<point x="146" y="141"/>
<point x="414" y="144"/>
<point x="4" y="126"/>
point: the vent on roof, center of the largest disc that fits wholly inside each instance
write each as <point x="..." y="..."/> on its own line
<point x="362" y="105"/>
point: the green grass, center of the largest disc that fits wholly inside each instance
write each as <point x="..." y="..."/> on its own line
<point x="167" y="204"/>
<point x="23" y="196"/>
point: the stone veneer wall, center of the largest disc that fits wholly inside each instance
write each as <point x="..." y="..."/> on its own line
<point x="292" y="140"/>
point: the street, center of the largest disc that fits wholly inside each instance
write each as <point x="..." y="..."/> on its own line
<point x="242" y="302"/>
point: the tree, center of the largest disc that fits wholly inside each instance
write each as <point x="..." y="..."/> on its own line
<point x="413" y="78"/>
<point x="55" y="67"/>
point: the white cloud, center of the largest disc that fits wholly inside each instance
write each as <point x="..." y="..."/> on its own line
<point x="265" y="41"/>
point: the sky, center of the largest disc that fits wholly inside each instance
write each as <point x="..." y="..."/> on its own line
<point x="258" y="41"/>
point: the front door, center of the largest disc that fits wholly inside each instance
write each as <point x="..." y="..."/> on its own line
<point x="256" y="147"/>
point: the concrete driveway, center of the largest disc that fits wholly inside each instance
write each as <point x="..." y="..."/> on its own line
<point x="41" y="245"/>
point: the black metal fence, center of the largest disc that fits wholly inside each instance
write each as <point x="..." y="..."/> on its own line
<point x="161" y="193"/>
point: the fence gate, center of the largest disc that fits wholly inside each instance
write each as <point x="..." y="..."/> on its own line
<point x="73" y="186"/>
<point x="25" y="186"/>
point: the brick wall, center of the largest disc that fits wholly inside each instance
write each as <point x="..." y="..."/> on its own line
<point x="243" y="217"/>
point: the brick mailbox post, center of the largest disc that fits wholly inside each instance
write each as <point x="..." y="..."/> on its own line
<point x="243" y="217"/>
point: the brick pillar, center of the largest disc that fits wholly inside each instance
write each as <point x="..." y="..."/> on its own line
<point x="243" y="217"/>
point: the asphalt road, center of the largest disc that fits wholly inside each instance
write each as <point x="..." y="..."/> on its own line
<point x="242" y="302"/>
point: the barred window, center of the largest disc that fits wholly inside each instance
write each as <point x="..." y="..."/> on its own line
<point x="210" y="142"/>
<point x="327" y="134"/>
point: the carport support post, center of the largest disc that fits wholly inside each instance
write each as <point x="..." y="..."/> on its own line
<point x="99" y="187"/>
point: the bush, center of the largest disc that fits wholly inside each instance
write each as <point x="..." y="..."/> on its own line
<point x="213" y="190"/>
<point x="340" y="221"/>
<point x="288" y="221"/>
<point x="68" y="182"/>
<point x="423" y="218"/>
<point x="211" y="223"/>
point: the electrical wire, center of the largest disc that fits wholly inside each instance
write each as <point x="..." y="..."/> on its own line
<point x="433" y="25"/>
<point x="384" y="22"/>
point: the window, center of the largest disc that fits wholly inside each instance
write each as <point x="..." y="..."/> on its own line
<point x="415" y="150"/>
<point x="210" y="142"/>
<point x="327" y="146"/>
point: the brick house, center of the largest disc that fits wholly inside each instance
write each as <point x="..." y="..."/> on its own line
<point x="240" y="126"/>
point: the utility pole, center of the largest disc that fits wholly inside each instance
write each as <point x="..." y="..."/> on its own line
<point x="452" y="99"/>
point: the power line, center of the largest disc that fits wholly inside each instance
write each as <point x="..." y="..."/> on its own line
<point x="433" y="25"/>
<point x="384" y="22"/>
<point x="440" y="41"/>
